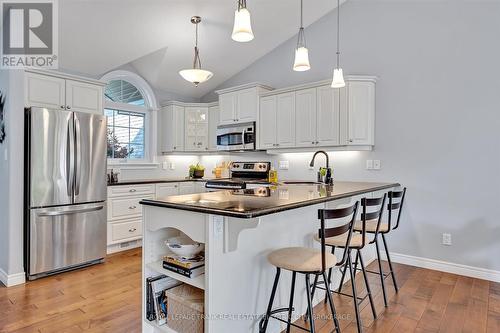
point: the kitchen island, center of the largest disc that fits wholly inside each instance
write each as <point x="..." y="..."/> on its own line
<point x="239" y="228"/>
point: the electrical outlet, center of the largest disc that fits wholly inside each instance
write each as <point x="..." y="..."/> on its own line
<point x="172" y="166"/>
<point x="376" y="164"/>
<point x="164" y="165"/>
<point x="369" y="164"/>
<point x="446" y="239"/>
<point x="284" y="165"/>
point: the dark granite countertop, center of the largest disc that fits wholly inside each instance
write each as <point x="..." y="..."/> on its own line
<point x="269" y="200"/>
<point x="159" y="180"/>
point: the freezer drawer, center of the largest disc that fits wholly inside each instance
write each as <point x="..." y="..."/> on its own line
<point x="63" y="237"/>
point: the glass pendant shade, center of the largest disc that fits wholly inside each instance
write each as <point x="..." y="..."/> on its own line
<point x="301" y="63"/>
<point x="242" y="30"/>
<point x="338" y="78"/>
<point x="196" y="76"/>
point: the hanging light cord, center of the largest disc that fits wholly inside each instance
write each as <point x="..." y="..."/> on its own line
<point x="338" y="33"/>
<point x="301" y="15"/>
<point x="197" y="60"/>
<point x="242" y="4"/>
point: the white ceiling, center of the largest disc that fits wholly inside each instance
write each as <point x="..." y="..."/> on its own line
<point x="156" y="38"/>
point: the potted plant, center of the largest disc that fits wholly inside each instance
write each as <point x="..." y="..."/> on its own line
<point x="196" y="171"/>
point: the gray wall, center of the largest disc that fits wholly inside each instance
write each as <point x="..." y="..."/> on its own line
<point x="4" y="183"/>
<point x="438" y="119"/>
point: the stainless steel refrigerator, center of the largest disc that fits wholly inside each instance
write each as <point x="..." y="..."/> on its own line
<point x="65" y="215"/>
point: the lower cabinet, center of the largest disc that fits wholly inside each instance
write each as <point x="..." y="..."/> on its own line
<point x="124" y="231"/>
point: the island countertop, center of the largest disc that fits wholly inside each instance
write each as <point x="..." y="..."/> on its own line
<point x="265" y="200"/>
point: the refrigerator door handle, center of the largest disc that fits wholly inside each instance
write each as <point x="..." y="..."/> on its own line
<point x="68" y="212"/>
<point x="78" y="157"/>
<point x="70" y="161"/>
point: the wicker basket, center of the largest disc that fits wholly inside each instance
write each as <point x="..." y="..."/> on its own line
<point x="185" y="309"/>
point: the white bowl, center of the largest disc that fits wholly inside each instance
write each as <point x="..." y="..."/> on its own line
<point x="184" y="246"/>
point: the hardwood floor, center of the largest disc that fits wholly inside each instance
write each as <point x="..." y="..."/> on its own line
<point x="107" y="297"/>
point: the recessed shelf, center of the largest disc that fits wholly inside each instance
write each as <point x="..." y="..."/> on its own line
<point x="162" y="328"/>
<point x="198" y="282"/>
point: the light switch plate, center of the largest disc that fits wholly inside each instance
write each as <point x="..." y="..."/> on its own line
<point x="164" y="165"/>
<point x="446" y="239"/>
<point x="369" y="164"/>
<point x="284" y="165"/>
<point x="376" y="164"/>
<point x="172" y="166"/>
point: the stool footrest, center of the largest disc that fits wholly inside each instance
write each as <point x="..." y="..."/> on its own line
<point x="343" y="294"/>
<point x="274" y="312"/>
<point x="378" y="273"/>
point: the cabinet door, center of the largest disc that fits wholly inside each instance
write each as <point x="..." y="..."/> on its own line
<point x="305" y="118"/>
<point x="178" y="128"/>
<point x="44" y="91"/>
<point x="202" y="129"/>
<point x="247" y="105"/>
<point x="227" y="106"/>
<point x="328" y="116"/>
<point x="167" y="189"/>
<point x="285" y="120"/>
<point x="213" y="122"/>
<point x="267" y="122"/>
<point x="361" y="113"/>
<point x="84" y="97"/>
<point x="187" y="188"/>
<point x="191" y="140"/>
<point x="171" y="129"/>
<point x="199" y="187"/>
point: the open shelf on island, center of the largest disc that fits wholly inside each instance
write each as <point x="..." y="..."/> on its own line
<point x="163" y="328"/>
<point x="198" y="282"/>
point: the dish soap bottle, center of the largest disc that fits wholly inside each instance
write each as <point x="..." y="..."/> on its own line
<point x="273" y="176"/>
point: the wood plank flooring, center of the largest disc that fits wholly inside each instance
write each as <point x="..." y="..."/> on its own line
<point x="107" y="298"/>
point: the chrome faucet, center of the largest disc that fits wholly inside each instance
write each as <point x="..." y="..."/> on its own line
<point x="327" y="179"/>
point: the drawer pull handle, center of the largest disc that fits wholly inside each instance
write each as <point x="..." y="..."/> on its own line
<point x="132" y="230"/>
<point x="133" y="190"/>
<point x="132" y="207"/>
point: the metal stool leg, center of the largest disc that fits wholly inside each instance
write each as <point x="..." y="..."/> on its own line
<point x="290" y="305"/>
<point x="381" y="272"/>
<point x="329" y="282"/>
<point x="354" y="295"/>
<point x="367" y="284"/>
<point x="263" y="324"/>
<point x="312" y="294"/>
<point x="309" y="304"/>
<point x="332" y="309"/>
<point x="356" y="264"/>
<point x="390" y="263"/>
<point x="343" y="277"/>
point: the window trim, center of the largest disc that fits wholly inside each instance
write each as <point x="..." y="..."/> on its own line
<point x="150" y="109"/>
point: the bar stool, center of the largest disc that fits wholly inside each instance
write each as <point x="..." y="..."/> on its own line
<point x="309" y="261"/>
<point x="376" y="227"/>
<point x="357" y="243"/>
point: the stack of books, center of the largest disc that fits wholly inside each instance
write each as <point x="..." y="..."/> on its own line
<point x="189" y="267"/>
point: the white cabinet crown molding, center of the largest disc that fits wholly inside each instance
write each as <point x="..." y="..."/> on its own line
<point x="243" y="86"/>
<point x="189" y="104"/>
<point x="64" y="76"/>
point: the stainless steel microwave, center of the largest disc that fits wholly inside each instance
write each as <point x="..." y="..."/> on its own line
<point x="236" y="137"/>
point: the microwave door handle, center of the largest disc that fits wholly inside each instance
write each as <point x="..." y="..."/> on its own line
<point x="77" y="156"/>
<point x="243" y="143"/>
<point x="70" y="158"/>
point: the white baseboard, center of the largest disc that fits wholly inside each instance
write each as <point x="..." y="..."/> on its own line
<point x="12" y="279"/>
<point x="443" y="266"/>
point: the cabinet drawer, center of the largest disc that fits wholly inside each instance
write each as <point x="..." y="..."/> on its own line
<point x="120" y="208"/>
<point x="125" y="230"/>
<point x="122" y="190"/>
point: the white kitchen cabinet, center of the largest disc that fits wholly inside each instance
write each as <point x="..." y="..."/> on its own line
<point x="305" y="118"/>
<point x="328" y="116"/>
<point x="358" y="119"/>
<point x="187" y="188"/>
<point x="267" y="122"/>
<point x="84" y="97"/>
<point x="199" y="187"/>
<point x="171" y="129"/>
<point x="285" y="120"/>
<point x="166" y="189"/>
<point x="240" y="104"/>
<point x="196" y="129"/>
<point x="213" y="122"/>
<point x="54" y="92"/>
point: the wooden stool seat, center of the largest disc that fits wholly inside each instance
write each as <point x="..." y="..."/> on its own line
<point x="371" y="226"/>
<point x="300" y="259"/>
<point x="341" y="240"/>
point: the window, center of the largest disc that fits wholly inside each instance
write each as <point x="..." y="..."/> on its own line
<point x="129" y="102"/>
<point x="126" y="134"/>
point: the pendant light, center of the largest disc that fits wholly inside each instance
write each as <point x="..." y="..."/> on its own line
<point x="338" y="75"/>
<point x="242" y="29"/>
<point x="196" y="75"/>
<point x="301" y="62"/>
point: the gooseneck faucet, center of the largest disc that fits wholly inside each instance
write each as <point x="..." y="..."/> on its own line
<point x="328" y="177"/>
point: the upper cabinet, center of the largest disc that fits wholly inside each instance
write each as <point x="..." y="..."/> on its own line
<point x="171" y="129"/>
<point x="240" y="104"/>
<point x="61" y="92"/>
<point x="196" y="129"/>
<point x="315" y="115"/>
<point x="213" y="122"/>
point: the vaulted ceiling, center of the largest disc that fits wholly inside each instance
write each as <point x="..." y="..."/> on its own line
<point x="156" y="38"/>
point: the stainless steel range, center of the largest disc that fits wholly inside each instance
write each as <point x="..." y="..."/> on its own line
<point x="243" y="175"/>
